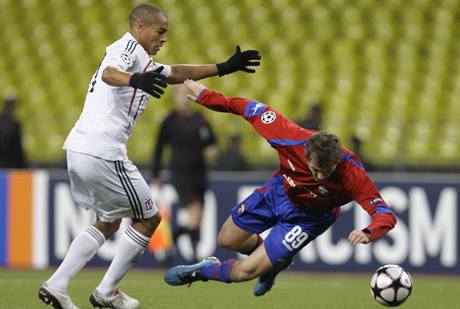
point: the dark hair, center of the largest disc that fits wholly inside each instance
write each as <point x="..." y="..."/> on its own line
<point x="9" y="104"/>
<point x="144" y="12"/>
<point x="323" y="148"/>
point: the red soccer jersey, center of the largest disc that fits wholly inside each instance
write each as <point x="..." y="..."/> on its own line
<point x="348" y="182"/>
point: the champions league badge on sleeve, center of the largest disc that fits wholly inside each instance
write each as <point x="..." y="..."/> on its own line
<point x="268" y="117"/>
<point x="126" y="58"/>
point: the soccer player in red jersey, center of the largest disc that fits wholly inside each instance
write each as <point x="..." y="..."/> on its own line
<point x="300" y="202"/>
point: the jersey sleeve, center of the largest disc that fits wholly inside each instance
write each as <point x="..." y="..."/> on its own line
<point x="268" y="122"/>
<point x="365" y="193"/>
<point x="129" y="56"/>
<point x="122" y="55"/>
<point x="163" y="69"/>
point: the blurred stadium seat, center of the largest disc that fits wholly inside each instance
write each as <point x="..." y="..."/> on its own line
<point x="388" y="71"/>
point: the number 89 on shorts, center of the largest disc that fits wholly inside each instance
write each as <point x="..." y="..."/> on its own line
<point x="294" y="239"/>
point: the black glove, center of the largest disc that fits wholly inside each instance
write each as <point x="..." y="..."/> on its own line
<point x="239" y="61"/>
<point x="150" y="81"/>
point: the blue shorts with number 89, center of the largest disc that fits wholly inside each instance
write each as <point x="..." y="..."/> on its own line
<point x="292" y="227"/>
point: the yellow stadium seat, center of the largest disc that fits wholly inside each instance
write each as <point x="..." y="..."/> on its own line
<point x="386" y="69"/>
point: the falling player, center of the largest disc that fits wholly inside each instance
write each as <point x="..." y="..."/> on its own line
<point x="300" y="202"/>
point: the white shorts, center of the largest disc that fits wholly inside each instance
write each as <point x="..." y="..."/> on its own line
<point x="113" y="189"/>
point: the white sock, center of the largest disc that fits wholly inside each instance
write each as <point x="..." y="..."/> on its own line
<point x="130" y="248"/>
<point x="82" y="249"/>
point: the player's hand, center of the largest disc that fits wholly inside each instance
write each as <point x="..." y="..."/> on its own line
<point x="240" y="61"/>
<point x="195" y="87"/>
<point x="151" y="82"/>
<point x="358" y="237"/>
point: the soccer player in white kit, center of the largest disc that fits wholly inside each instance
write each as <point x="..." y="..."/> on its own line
<point x="102" y="177"/>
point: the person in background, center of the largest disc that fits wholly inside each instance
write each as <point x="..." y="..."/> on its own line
<point x="356" y="144"/>
<point x="314" y="120"/>
<point x="192" y="141"/>
<point x="231" y="158"/>
<point x="11" y="150"/>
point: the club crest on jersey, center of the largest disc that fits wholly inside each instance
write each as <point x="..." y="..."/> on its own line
<point x="268" y="117"/>
<point x="323" y="192"/>
<point x="126" y="58"/>
<point x="320" y="193"/>
<point x="241" y="209"/>
<point x="148" y="204"/>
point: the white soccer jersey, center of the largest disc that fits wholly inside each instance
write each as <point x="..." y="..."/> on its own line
<point x="110" y="113"/>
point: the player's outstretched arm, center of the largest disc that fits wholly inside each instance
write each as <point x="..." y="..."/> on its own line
<point x="240" y="61"/>
<point x="214" y="100"/>
<point x="258" y="114"/>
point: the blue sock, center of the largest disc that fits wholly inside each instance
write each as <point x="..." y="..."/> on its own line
<point x="218" y="272"/>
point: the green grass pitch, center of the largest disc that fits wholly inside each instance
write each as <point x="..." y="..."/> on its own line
<point x="19" y="289"/>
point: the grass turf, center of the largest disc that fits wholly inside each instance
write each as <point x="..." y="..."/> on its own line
<point x="19" y="289"/>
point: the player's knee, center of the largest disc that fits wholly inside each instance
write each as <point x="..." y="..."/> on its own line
<point x="152" y="223"/>
<point x="226" y="242"/>
<point x="108" y="228"/>
<point x="157" y="219"/>
<point x="115" y="226"/>
<point x="147" y="226"/>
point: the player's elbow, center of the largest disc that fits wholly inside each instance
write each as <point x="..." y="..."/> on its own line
<point x="393" y="220"/>
<point x="114" y="76"/>
<point x="390" y="221"/>
<point x="108" y="74"/>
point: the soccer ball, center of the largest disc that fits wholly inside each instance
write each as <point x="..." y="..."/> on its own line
<point x="391" y="285"/>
